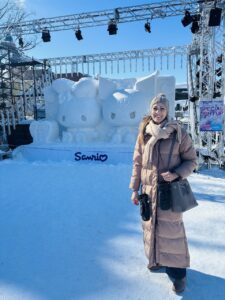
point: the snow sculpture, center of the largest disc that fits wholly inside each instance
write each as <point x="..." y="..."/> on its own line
<point x="74" y="107"/>
<point x="44" y="132"/>
<point x="79" y="112"/>
<point x="98" y="110"/>
<point x="124" y="108"/>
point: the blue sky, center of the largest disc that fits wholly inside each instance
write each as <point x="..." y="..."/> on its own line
<point x="131" y="36"/>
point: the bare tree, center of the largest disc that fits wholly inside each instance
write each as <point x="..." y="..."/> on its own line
<point x="12" y="13"/>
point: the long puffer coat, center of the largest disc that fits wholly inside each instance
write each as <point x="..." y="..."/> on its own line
<point x="164" y="235"/>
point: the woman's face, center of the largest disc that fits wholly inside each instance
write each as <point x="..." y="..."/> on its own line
<point x="158" y="113"/>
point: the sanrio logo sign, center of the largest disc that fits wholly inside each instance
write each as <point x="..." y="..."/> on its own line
<point x="92" y="157"/>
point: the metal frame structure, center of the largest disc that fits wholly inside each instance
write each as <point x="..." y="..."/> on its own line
<point x="135" y="13"/>
<point x="207" y="79"/>
<point x="121" y="61"/>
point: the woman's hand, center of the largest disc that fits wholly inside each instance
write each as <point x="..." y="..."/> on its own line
<point x="134" y="198"/>
<point x="168" y="176"/>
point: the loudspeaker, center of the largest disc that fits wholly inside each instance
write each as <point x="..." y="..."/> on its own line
<point x="215" y="16"/>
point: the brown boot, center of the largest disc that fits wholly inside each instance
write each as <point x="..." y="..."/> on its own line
<point x="179" y="285"/>
<point x="154" y="268"/>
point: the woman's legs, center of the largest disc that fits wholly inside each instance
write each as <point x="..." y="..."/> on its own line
<point x="179" y="277"/>
<point x="176" y="273"/>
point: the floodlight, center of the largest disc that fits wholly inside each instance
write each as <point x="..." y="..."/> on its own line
<point x="195" y="23"/>
<point x="193" y="98"/>
<point x="112" y="27"/>
<point x="187" y="19"/>
<point x="46" y="37"/>
<point x="194" y="27"/>
<point x="147" y="27"/>
<point x="78" y="35"/>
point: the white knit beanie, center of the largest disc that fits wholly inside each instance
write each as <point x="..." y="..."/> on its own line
<point x="160" y="98"/>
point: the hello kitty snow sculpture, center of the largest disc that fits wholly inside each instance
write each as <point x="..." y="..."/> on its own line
<point x="80" y="112"/>
<point x="98" y="110"/>
<point x="72" y="112"/>
<point x="123" y="109"/>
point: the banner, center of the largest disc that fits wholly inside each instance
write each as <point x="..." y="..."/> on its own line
<point x="211" y="115"/>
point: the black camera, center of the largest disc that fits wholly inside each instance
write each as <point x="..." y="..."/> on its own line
<point x="164" y="196"/>
<point x="145" y="207"/>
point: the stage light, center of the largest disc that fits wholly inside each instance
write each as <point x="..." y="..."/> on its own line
<point x="194" y="27"/>
<point x="78" y="35"/>
<point x="195" y="23"/>
<point x="193" y="98"/>
<point x="215" y="17"/>
<point x="46" y="37"/>
<point x="112" y="27"/>
<point x="187" y="19"/>
<point x="21" y="44"/>
<point x="147" y="27"/>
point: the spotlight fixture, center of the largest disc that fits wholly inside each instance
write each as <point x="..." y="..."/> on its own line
<point x="215" y="17"/>
<point x="195" y="23"/>
<point x="46" y="37"/>
<point x="147" y="27"/>
<point x="112" y="27"/>
<point x="193" y="98"/>
<point x="78" y="34"/>
<point x="21" y="44"/>
<point x="194" y="27"/>
<point x="187" y="19"/>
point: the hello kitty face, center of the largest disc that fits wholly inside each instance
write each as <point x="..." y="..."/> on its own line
<point x="81" y="112"/>
<point x="125" y="108"/>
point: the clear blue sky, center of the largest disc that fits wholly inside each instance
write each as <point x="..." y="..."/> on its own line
<point x="131" y="36"/>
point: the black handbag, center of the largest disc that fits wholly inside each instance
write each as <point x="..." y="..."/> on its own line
<point x="182" y="197"/>
<point x="145" y="207"/>
<point x="176" y="195"/>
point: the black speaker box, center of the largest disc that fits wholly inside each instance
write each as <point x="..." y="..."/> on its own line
<point x="215" y="16"/>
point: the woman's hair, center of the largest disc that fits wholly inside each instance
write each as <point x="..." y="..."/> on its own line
<point x="142" y="127"/>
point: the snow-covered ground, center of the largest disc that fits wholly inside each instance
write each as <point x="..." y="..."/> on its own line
<point x="70" y="232"/>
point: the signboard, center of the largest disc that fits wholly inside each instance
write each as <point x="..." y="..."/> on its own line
<point x="211" y="115"/>
<point x="79" y="154"/>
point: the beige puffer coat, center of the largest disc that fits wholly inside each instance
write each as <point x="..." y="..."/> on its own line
<point x="165" y="240"/>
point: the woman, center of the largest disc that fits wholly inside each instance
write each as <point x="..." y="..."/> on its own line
<point x="165" y="241"/>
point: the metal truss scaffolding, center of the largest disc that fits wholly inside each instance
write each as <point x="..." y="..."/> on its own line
<point x="117" y="62"/>
<point x="206" y="64"/>
<point x="99" y="18"/>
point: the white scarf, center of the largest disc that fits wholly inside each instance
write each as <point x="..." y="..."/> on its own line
<point x="157" y="132"/>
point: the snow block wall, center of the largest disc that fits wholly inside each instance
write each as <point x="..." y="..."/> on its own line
<point x="98" y="110"/>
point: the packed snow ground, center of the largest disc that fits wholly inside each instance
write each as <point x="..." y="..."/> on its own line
<point x="70" y="232"/>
